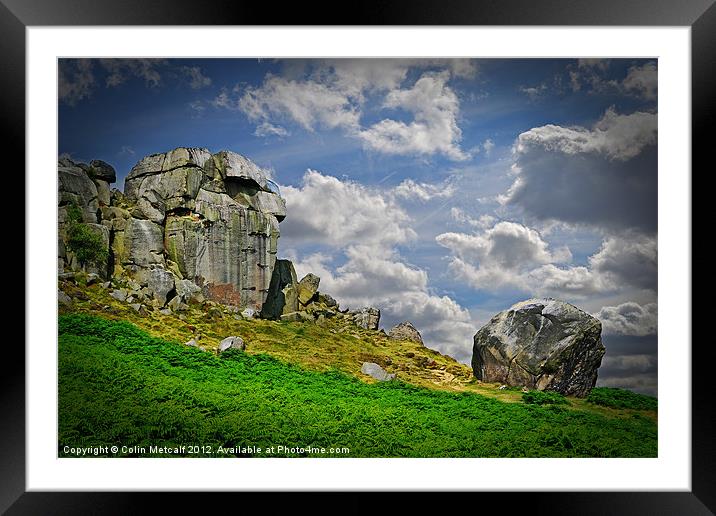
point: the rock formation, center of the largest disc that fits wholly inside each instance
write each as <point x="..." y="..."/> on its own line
<point x="367" y="318"/>
<point x="542" y="344"/>
<point x="374" y="370"/>
<point x="191" y="227"/>
<point x="186" y="217"/>
<point x="405" y="331"/>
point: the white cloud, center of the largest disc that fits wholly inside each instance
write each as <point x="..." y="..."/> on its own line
<point x="268" y="129"/>
<point x="629" y="318"/>
<point x="482" y="222"/>
<point x="434" y="128"/>
<point x="488" y="145"/>
<point x="75" y="80"/>
<point x="409" y="189"/>
<point x="507" y="245"/>
<point x="308" y="103"/>
<point x="197" y="79"/>
<point x="601" y="64"/>
<point x="604" y="176"/>
<point x="362" y="227"/>
<point x="331" y="94"/>
<point x="328" y="211"/>
<point x="510" y="255"/>
<point x="642" y="80"/>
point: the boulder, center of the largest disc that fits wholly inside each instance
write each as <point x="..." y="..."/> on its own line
<point x="405" y="331"/>
<point x="76" y="187"/>
<point x="296" y="317"/>
<point x="232" y="343"/>
<point x="160" y="283"/>
<point x="102" y="171"/>
<point x="63" y="298"/>
<point x="307" y="288"/>
<point x="192" y="343"/>
<point x="327" y="300"/>
<point x="542" y="344"/>
<point x="282" y="297"/>
<point x="374" y="370"/>
<point x="367" y="318"/>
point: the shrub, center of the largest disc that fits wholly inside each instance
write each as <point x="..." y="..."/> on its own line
<point x="543" y="398"/>
<point x="87" y="245"/>
<point x="621" y="398"/>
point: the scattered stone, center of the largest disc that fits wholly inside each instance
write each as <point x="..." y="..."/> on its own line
<point x="542" y="344"/>
<point x="193" y="343"/>
<point x="374" y="370"/>
<point x="297" y="317"/>
<point x="502" y="387"/>
<point x="327" y="300"/>
<point x="165" y="311"/>
<point x="307" y="288"/>
<point x="160" y="283"/>
<point x="119" y="295"/>
<point x="92" y="278"/>
<point x="106" y="285"/>
<point x="232" y="343"/>
<point x="63" y="298"/>
<point x="367" y="318"/>
<point x="176" y="305"/>
<point x="248" y="313"/>
<point x="405" y="331"/>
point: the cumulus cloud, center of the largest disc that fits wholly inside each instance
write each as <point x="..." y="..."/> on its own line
<point x="481" y="222"/>
<point x="332" y="93"/>
<point x="629" y="318"/>
<point x="604" y="176"/>
<point x="629" y="258"/>
<point x="511" y="255"/>
<point x="338" y="213"/>
<point x="409" y="189"/>
<point x="362" y="228"/>
<point x="434" y="129"/>
<point x="75" y="80"/>
<point x="310" y="104"/>
<point x="642" y="81"/>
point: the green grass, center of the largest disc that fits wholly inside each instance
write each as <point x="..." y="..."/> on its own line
<point x="120" y="386"/>
<point x="621" y="398"/>
<point x="543" y="398"/>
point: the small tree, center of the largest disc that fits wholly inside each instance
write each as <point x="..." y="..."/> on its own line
<point x="87" y="245"/>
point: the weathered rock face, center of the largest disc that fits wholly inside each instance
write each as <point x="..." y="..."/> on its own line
<point x="282" y="296"/>
<point x="405" y="331"/>
<point x="367" y="318"/>
<point x="542" y="344"/>
<point x="307" y="288"/>
<point x="184" y="215"/>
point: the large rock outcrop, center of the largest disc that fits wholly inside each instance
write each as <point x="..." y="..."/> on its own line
<point x="542" y="344"/>
<point x="185" y="215"/>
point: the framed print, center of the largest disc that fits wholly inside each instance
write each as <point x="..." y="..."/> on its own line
<point x="413" y="259"/>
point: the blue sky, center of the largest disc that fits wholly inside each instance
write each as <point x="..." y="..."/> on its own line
<point x="441" y="191"/>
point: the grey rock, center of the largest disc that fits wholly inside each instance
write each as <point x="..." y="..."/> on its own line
<point x="103" y="194"/>
<point x="165" y="311"/>
<point x="75" y="187"/>
<point x="232" y="165"/>
<point x="374" y="370"/>
<point x="63" y="298"/>
<point x="119" y="295"/>
<point x="248" y="313"/>
<point x="282" y="297"/>
<point x="232" y="343"/>
<point x="98" y="169"/>
<point x="160" y="283"/>
<point x="193" y="343"/>
<point x="297" y="317"/>
<point x="175" y="304"/>
<point x="542" y="344"/>
<point x="93" y="278"/>
<point x="143" y="243"/>
<point x="188" y="291"/>
<point x="405" y="331"/>
<point x="327" y="300"/>
<point x="307" y="288"/>
<point x="367" y="318"/>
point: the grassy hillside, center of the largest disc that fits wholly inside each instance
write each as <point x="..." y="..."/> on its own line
<point x="299" y="385"/>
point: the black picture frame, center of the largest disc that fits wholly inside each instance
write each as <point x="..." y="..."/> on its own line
<point x="700" y="15"/>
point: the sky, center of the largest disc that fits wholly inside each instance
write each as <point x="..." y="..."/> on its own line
<point x="441" y="191"/>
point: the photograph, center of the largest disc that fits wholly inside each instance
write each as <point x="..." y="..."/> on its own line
<point x="357" y="257"/>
